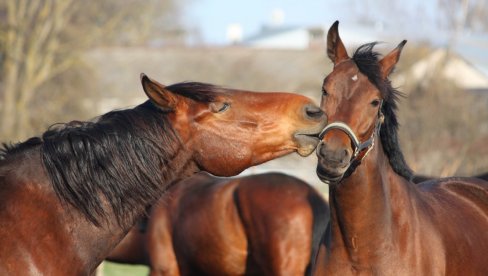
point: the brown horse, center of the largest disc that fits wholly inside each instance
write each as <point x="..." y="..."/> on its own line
<point x="381" y="223"/>
<point x="253" y="225"/>
<point x="67" y="198"/>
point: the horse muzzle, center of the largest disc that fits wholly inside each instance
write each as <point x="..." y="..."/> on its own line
<point x="332" y="163"/>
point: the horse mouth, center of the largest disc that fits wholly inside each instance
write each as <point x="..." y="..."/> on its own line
<point x="307" y="142"/>
<point x="328" y="178"/>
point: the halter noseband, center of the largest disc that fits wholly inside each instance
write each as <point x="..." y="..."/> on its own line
<point x="358" y="146"/>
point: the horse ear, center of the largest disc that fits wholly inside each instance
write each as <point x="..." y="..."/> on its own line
<point x="158" y="93"/>
<point x="390" y="60"/>
<point x="335" y="48"/>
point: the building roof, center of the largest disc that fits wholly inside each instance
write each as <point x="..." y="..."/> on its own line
<point x="287" y="37"/>
<point x="468" y="66"/>
<point x="474" y="49"/>
<point x="267" y="31"/>
<point x="453" y="67"/>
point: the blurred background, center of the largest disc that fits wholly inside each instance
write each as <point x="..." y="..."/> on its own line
<point x="62" y="60"/>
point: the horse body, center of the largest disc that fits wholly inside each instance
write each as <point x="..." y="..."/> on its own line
<point x="254" y="225"/>
<point x="68" y="197"/>
<point x="36" y="226"/>
<point x="210" y="234"/>
<point x="29" y="235"/>
<point x="381" y="222"/>
<point x="462" y="202"/>
<point x="43" y="235"/>
<point x="391" y="226"/>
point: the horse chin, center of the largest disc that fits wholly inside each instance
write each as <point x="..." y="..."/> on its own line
<point x="329" y="178"/>
<point x="306" y="143"/>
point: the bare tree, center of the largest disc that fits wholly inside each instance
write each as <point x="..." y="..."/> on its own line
<point x="461" y="15"/>
<point x="39" y="39"/>
<point x="477" y="16"/>
<point x="30" y="43"/>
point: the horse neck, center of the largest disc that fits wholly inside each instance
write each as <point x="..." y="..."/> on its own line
<point x="181" y="166"/>
<point x="366" y="206"/>
<point x="88" y="244"/>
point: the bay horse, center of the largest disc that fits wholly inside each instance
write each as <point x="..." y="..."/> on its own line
<point x="266" y="224"/>
<point x="382" y="223"/>
<point x="69" y="196"/>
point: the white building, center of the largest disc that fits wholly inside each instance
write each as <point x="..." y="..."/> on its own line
<point x="455" y="68"/>
<point x="287" y="38"/>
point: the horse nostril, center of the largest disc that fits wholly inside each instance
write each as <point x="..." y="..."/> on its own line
<point x="346" y="156"/>
<point x="314" y="112"/>
<point x="322" y="150"/>
<point x="334" y="157"/>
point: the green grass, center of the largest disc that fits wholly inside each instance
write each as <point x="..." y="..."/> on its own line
<point x="113" y="269"/>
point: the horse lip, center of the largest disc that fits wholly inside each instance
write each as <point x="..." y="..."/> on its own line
<point x="306" y="143"/>
<point x="313" y="136"/>
<point x="328" y="178"/>
<point x="307" y="139"/>
<point x="311" y="133"/>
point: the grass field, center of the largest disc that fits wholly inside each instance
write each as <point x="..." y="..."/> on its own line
<point x="113" y="269"/>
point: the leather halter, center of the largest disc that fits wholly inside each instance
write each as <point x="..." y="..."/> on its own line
<point x="358" y="146"/>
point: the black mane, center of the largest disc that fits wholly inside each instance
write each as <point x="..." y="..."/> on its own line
<point x="10" y="149"/>
<point x="120" y="160"/>
<point x="367" y="61"/>
<point x="197" y="91"/>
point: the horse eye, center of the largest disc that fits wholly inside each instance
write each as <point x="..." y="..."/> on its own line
<point x="224" y="107"/>
<point x="219" y="108"/>
<point x="375" y="103"/>
<point x="324" y="92"/>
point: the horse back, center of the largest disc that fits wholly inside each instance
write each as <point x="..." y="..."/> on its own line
<point x="468" y="193"/>
<point x="459" y="210"/>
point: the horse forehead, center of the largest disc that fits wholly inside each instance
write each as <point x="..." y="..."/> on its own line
<point x="348" y="79"/>
<point x="345" y="73"/>
<point x="347" y="68"/>
<point x="343" y="81"/>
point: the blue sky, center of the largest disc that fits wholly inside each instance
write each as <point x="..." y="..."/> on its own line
<point x="212" y="17"/>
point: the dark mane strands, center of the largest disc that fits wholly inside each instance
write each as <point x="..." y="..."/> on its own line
<point x="108" y="160"/>
<point x="198" y="91"/>
<point x="367" y="61"/>
<point x="7" y="149"/>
